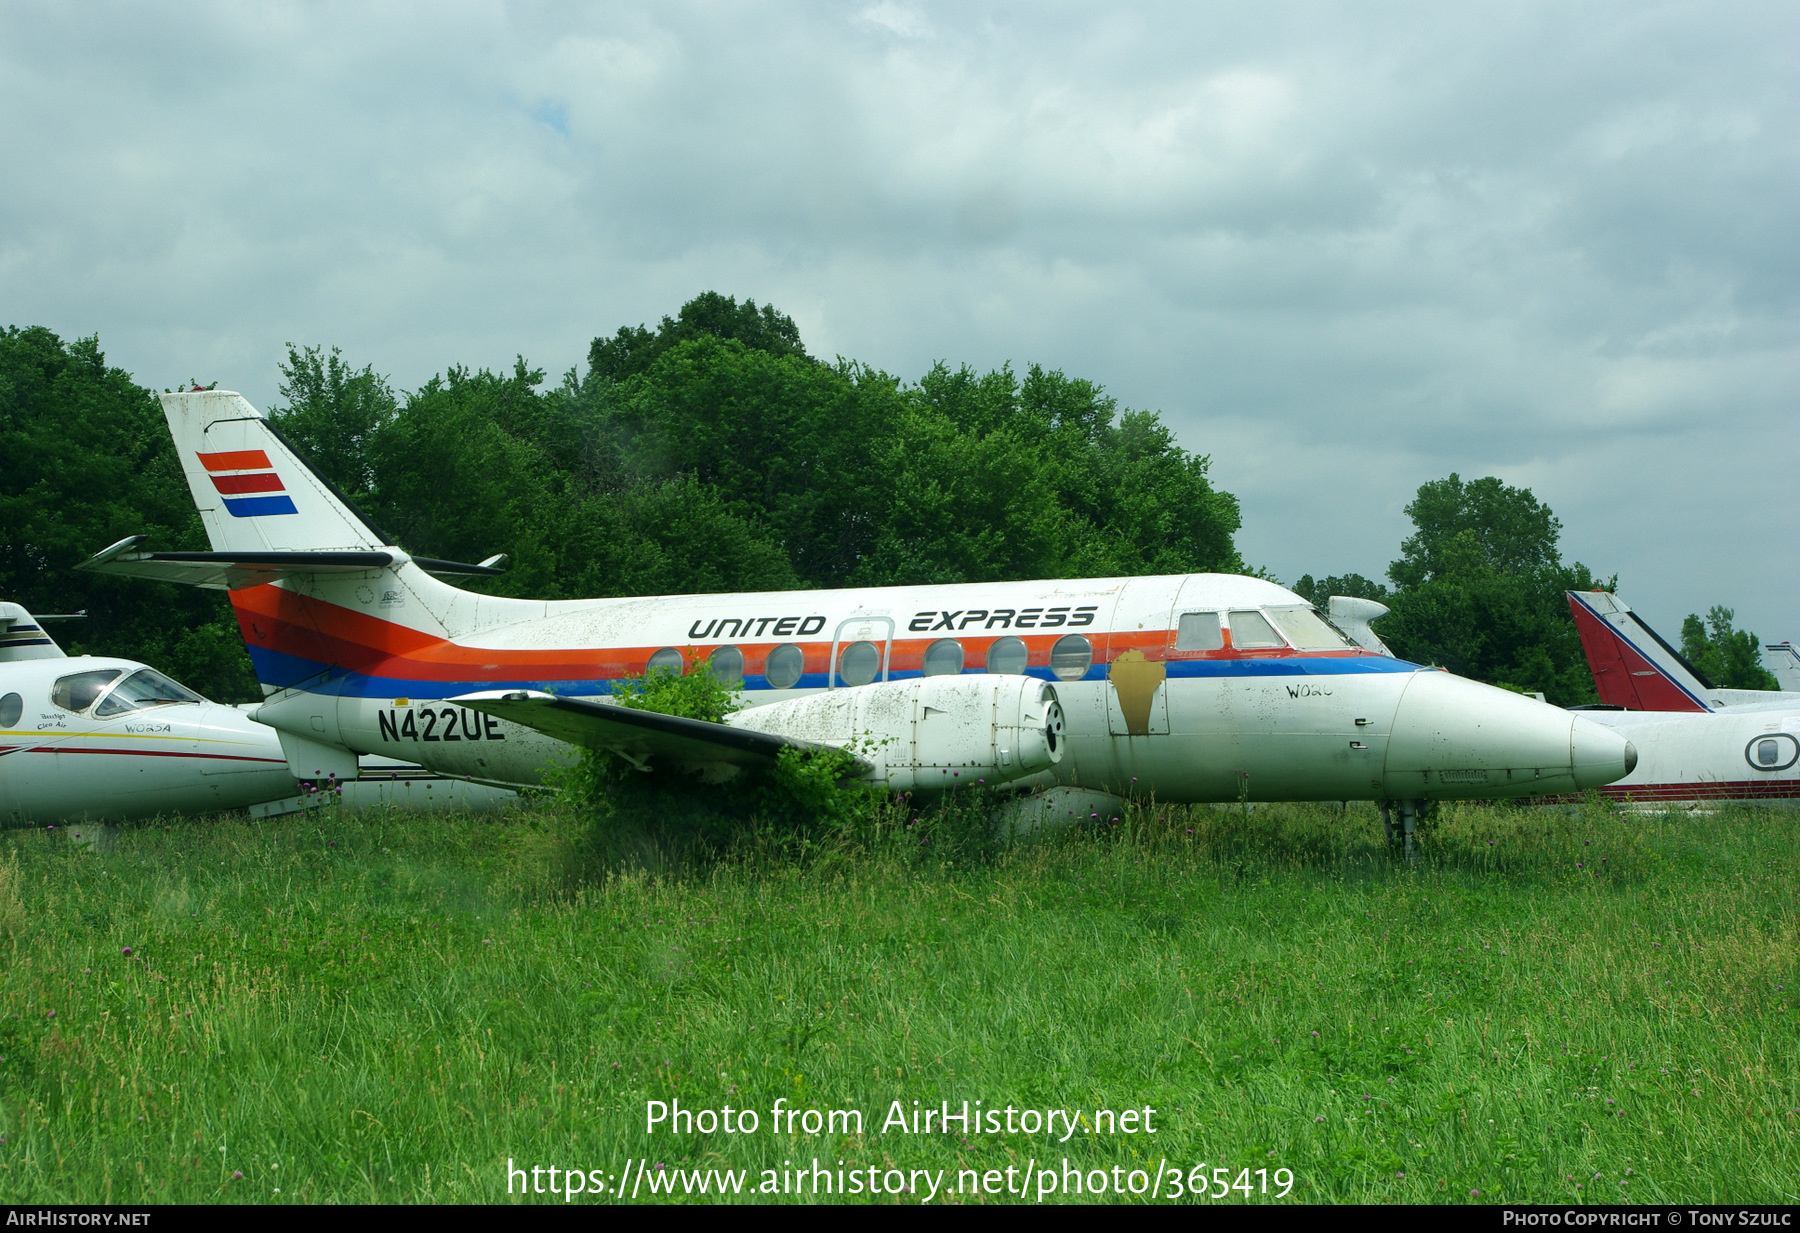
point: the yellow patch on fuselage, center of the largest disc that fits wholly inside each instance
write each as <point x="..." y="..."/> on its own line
<point x="1135" y="679"/>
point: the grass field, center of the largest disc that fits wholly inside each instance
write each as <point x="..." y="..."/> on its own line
<point x="1555" y="1005"/>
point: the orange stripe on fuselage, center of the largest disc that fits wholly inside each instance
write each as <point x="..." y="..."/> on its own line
<point x="284" y="621"/>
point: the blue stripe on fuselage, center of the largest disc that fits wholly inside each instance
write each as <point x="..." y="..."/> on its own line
<point x="281" y="671"/>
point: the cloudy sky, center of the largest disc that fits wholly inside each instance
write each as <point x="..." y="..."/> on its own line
<point x="1344" y="249"/>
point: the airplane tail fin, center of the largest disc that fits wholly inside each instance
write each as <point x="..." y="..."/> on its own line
<point x="254" y="492"/>
<point x="21" y="637"/>
<point x="348" y="598"/>
<point x="1352" y="616"/>
<point x="1633" y="667"/>
<point x="1781" y="659"/>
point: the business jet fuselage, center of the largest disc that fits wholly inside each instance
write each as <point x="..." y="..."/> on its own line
<point x="94" y="737"/>
<point x="1697" y="744"/>
<point x="1200" y="687"/>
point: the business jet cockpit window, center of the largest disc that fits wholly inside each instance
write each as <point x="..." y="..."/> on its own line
<point x="1307" y="630"/>
<point x="145" y="688"/>
<point x="1251" y="631"/>
<point x="77" y="691"/>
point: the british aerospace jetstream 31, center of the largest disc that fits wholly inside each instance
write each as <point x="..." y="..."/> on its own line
<point x="1199" y="687"/>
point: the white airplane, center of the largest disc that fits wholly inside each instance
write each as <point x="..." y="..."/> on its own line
<point x="1783" y="661"/>
<point x="1199" y="687"/>
<point x="1696" y="743"/>
<point x="102" y="738"/>
<point x="87" y="738"/>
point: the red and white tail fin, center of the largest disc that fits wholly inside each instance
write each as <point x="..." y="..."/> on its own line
<point x="21" y="637"/>
<point x="1633" y="667"/>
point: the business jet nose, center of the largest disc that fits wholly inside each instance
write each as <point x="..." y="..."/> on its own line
<point x="1455" y="738"/>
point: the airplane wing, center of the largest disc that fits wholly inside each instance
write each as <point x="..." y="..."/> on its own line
<point x="229" y="571"/>
<point x="638" y="736"/>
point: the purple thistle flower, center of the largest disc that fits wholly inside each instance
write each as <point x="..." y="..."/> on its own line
<point x="126" y="951"/>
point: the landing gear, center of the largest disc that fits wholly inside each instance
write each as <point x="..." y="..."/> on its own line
<point x="1405" y="826"/>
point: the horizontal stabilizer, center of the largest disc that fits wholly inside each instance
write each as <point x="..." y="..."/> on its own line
<point x="1633" y="667"/>
<point x="21" y="637"/>
<point x="638" y="736"/>
<point x="230" y="571"/>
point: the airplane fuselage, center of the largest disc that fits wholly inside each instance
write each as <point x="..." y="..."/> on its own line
<point x="59" y="760"/>
<point x="1197" y="687"/>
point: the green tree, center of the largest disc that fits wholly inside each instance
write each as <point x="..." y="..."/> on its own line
<point x="990" y="477"/>
<point x="1729" y="658"/>
<point x="1483" y="523"/>
<point x="334" y="414"/>
<point x="1318" y="592"/>
<point x="477" y="462"/>
<point x="1479" y="590"/>
<point x="88" y="462"/>
<point x="784" y="442"/>
<point x="633" y="349"/>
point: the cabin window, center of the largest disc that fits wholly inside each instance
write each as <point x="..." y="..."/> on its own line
<point x="11" y="707"/>
<point x="77" y="692"/>
<point x="944" y="657"/>
<point x="1306" y="630"/>
<point x="784" y="666"/>
<point x="859" y="663"/>
<point x="726" y="664"/>
<point x="145" y="687"/>
<point x="666" y="660"/>
<point x="1071" y="657"/>
<point x="1251" y="631"/>
<point x="1773" y="753"/>
<point x="1008" y="656"/>
<point x="1198" y="631"/>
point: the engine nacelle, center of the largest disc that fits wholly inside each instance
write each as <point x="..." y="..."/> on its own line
<point x="930" y="734"/>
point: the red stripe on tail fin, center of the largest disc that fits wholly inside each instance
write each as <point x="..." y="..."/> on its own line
<point x="236" y="460"/>
<point x="233" y="485"/>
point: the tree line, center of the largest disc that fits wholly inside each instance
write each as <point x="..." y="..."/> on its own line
<point x="713" y="453"/>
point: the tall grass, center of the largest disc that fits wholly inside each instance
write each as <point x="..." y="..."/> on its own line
<point x="1553" y="1005"/>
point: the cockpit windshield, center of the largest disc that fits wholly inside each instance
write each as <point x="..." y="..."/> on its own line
<point x="77" y="691"/>
<point x="145" y="688"/>
<point x="1307" y="630"/>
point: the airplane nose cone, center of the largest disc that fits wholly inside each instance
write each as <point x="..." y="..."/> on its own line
<point x="1598" y="755"/>
<point x="1455" y="738"/>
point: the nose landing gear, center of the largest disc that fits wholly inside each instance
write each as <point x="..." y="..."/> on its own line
<point x="1405" y="825"/>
